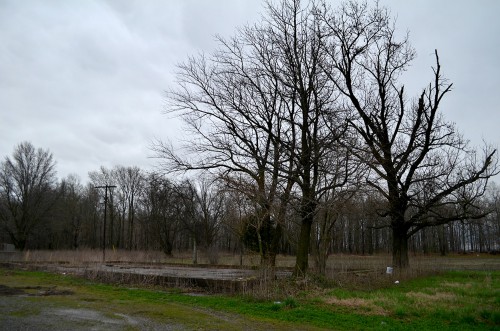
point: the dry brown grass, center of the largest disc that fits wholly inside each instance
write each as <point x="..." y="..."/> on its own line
<point x="363" y="306"/>
<point x="353" y="266"/>
<point x="351" y="272"/>
<point x="91" y="256"/>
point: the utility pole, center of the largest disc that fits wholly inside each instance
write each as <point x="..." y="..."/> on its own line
<point x="105" y="187"/>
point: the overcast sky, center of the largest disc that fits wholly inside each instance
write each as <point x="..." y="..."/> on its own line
<point x="85" y="79"/>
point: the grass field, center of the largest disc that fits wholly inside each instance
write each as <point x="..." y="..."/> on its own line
<point x="452" y="300"/>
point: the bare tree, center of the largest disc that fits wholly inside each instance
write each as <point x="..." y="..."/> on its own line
<point x="419" y="162"/>
<point x="236" y="219"/>
<point x="71" y="209"/>
<point x="315" y="122"/>
<point x="130" y="182"/>
<point x="334" y="205"/>
<point x="263" y="111"/>
<point x="90" y="202"/>
<point x="493" y="219"/>
<point x="26" y="182"/>
<point x="235" y="113"/>
<point x="211" y="202"/>
<point x="162" y="208"/>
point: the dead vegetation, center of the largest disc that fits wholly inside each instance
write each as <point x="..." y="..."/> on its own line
<point x="153" y="268"/>
<point x="363" y="306"/>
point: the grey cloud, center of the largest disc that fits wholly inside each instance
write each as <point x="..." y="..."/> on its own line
<point x="85" y="79"/>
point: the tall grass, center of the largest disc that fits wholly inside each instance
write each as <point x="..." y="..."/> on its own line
<point x="127" y="256"/>
<point x="337" y="263"/>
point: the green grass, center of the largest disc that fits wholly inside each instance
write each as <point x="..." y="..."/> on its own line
<point x="451" y="301"/>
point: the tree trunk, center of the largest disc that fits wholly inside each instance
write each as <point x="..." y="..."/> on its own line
<point x="269" y="251"/>
<point x="241" y="254"/>
<point x="131" y="225"/>
<point x="442" y="240"/>
<point x="463" y="237"/>
<point x="302" y="261"/>
<point x="274" y="245"/>
<point x="166" y="243"/>
<point x="20" y="244"/>
<point x="308" y="207"/>
<point x="321" y="256"/>
<point x="321" y="244"/>
<point x="267" y="266"/>
<point x="370" y="240"/>
<point x="425" y="246"/>
<point x="76" y="235"/>
<point x="400" y="248"/>
<point x="111" y="228"/>
<point x="195" y="252"/>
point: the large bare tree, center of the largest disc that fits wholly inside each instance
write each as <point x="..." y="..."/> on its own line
<point x="27" y="183"/>
<point x="234" y="113"/>
<point x="426" y="171"/>
<point x="262" y="111"/>
<point x="316" y="123"/>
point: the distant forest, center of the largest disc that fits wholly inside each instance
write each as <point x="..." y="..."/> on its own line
<point x="150" y="211"/>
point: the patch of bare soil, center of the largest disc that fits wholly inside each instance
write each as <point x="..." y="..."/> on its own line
<point x="19" y="313"/>
<point x="28" y="308"/>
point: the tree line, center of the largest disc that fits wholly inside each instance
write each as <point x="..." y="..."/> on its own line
<point x="307" y="142"/>
<point x="150" y="211"/>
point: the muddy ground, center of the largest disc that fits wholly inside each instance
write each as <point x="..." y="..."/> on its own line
<point x="30" y="308"/>
<point x="22" y="308"/>
<point x="17" y="313"/>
